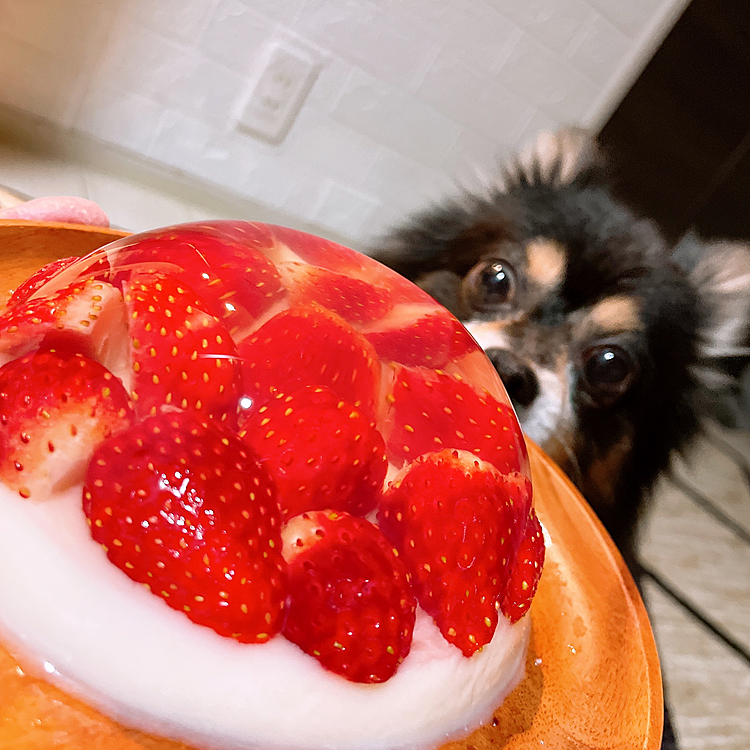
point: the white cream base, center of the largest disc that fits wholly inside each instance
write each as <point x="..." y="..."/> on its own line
<point x="97" y="634"/>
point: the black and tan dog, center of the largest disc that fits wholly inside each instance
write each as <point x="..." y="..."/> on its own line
<point x="604" y="336"/>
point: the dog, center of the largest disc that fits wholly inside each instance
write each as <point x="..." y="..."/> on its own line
<point x="611" y="343"/>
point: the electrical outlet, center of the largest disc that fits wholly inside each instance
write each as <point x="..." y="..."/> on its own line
<point x="285" y="76"/>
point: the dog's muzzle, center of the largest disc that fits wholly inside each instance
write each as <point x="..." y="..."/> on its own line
<point x="518" y="378"/>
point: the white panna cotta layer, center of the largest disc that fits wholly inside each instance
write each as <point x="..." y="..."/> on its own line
<point x="77" y="619"/>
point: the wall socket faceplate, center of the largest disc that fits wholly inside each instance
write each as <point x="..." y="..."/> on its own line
<point x="285" y="76"/>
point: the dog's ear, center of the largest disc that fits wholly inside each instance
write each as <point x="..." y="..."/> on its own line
<point x="720" y="274"/>
<point x="556" y="159"/>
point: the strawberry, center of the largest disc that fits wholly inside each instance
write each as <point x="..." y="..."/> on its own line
<point x="86" y="316"/>
<point x="55" y="409"/>
<point x="309" y="346"/>
<point x="420" y="335"/>
<point x="431" y="410"/>
<point x="474" y="367"/>
<point x="235" y="280"/>
<point x="182" y="356"/>
<point x="334" y="257"/>
<point x="250" y="234"/>
<point x="355" y="300"/>
<point x="320" y="252"/>
<point x="38" y="279"/>
<point x="525" y="571"/>
<point x="188" y="510"/>
<point x="350" y="605"/>
<point x="518" y="492"/>
<point x="321" y="451"/>
<point x="451" y="518"/>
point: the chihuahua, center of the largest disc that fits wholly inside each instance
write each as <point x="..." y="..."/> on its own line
<point x="610" y="343"/>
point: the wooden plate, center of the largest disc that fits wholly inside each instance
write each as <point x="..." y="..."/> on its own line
<point x="593" y="679"/>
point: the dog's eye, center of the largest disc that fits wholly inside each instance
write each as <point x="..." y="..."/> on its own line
<point x="490" y="284"/>
<point x="608" y="370"/>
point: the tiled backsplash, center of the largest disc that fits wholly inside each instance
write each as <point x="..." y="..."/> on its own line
<point x="412" y="94"/>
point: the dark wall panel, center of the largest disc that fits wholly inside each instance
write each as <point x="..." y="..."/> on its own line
<point x="678" y="138"/>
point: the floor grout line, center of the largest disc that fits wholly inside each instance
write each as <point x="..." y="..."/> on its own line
<point x="711" y="508"/>
<point x="732" y="453"/>
<point x="688" y="606"/>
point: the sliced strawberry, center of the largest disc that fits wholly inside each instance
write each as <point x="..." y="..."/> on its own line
<point x="236" y="281"/>
<point x="86" y="316"/>
<point x="334" y="257"/>
<point x="38" y="279"/>
<point x="182" y="356"/>
<point x="525" y="571"/>
<point x="451" y="519"/>
<point x="187" y="509"/>
<point x="420" y="335"/>
<point x="55" y="409"/>
<point x="350" y="602"/>
<point x="250" y="234"/>
<point x="518" y="491"/>
<point x="321" y="451"/>
<point x="320" y="252"/>
<point x="309" y="346"/>
<point x="431" y="410"/>
<point x="474" y="367"/>
<point x="356" y="301"/>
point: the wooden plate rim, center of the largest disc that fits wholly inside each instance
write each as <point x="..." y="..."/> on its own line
<point x="564" y="487"/>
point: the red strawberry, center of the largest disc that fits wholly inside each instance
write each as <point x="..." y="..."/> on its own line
<point x="334" y="257"/>
<point x="187" y="509"/>
<point x="236" y="281"/>
<point x="38" y="279"/>
<point x="62" y="273"/>
<point x="350" y="603"/>
<point x="320" y="451"/>
<point x="182" y="356"/>
<point x="525" y="571"/>
<point x="420" y="335"/>
<point x="355" y="300"/>
<point x="250" y="234"/>
<point x="474" y="367"/>
<point x="318" y="251"/>
<point x="519" y="494"/>
<point x="431" y="410"/>
<point x="451" y="519"/>
<point x="309" y="346"/>
<point x="55" y="409"/>
<point x="86" y="316"/>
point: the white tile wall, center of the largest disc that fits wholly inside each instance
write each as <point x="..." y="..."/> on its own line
<point x="193" y="146"/>
<point x="411" y="93"/>
<point x="554" y="24"/>
<point x="486" y="105"/>
<point x="395" y="118"/>
<point x="600" y="50"/>
<point x="234" y="33"/>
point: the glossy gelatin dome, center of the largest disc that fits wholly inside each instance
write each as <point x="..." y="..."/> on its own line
<point x="259" y="491"/>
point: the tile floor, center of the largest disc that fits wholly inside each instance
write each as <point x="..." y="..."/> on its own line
<point x="696" y="541"/>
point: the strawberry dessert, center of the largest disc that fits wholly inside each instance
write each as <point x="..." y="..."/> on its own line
<point x="258" y="491"/>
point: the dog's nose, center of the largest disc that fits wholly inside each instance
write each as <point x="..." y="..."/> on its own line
<point x="518" y="378"/>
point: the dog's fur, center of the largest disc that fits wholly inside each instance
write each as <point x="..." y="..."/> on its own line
<point x="607" y="339"/>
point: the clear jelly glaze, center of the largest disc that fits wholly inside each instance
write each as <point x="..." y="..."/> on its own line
<point x="90" y="629"/>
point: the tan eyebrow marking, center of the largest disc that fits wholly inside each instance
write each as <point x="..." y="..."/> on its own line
<point x="615" y="314"/>
<point x="545" y="261"/>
